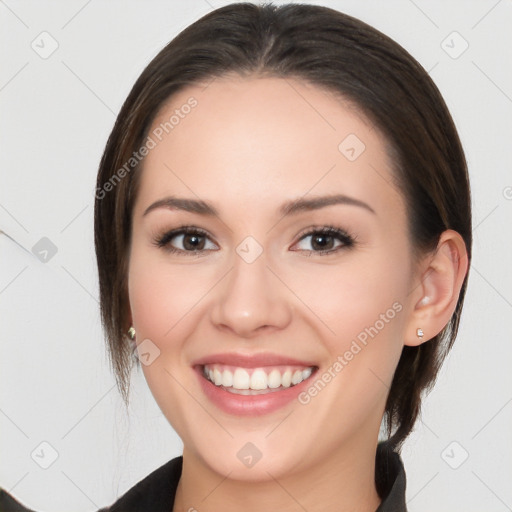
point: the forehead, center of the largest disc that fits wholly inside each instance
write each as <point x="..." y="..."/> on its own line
<point x="272" y="138"/>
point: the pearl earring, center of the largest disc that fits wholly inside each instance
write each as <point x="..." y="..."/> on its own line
<point x="131" y="339"/>
<point x="419" y="333"/>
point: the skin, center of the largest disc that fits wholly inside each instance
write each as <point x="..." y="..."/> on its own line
<point x="250" y="145"/>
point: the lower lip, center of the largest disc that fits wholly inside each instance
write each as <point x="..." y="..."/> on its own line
<point x="250" y="405"/>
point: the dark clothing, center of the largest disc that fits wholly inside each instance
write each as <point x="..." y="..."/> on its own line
<point x="156" y="492"/>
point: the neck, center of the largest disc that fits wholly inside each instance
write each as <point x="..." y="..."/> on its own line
<point x="343" y="482"/>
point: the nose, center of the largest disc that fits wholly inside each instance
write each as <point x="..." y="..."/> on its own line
<point x="251" y="300"/>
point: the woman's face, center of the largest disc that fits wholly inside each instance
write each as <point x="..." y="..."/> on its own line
<point x="259" y="294"/>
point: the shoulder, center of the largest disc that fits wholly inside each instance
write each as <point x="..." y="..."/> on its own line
<point x="155" y="492"/>
<point x="390" y="479"/>
<point x="9" y="504"/>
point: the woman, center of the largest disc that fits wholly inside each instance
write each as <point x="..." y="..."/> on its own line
<point x="283" y="232"/>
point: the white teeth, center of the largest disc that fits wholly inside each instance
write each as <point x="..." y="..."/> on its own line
<point x="259" y="380"/>
<point x="227" y="378"/>
<point x="306" y="373"/>
<point x="217" y="377"/>
<point x="286" y="379"/>
<point x="297" y="377"/>
<point x="241" y="379"/>
<point x="274" y="379"/>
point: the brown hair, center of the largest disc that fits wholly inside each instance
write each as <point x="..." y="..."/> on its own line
<point x="339" y="53"/>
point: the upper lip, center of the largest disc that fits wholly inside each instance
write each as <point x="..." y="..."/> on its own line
<point x="251" y="361"/>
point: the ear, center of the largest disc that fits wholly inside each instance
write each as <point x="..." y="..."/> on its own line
<point x="437" y="288"/>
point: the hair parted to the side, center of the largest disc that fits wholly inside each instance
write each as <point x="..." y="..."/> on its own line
<point x="339" y="53"/>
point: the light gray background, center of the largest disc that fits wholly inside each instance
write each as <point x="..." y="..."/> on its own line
<point x="55" y="382"/>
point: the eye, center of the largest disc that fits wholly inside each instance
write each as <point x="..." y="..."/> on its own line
<point x="186" y="240"/>
<point x="325" y="240"/>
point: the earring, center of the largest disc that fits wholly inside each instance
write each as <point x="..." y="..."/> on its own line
<point x="419" y="333"/>
<point x="131" y="333"/>
<point x="131" y="339"/>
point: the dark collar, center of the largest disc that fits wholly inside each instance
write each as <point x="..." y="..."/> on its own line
<point x="390" y="479"/>
<point x="156" y="492"/>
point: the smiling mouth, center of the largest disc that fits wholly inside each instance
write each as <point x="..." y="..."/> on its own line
<point x="255" y="381"/>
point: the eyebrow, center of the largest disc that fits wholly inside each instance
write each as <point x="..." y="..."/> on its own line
<point x="288" y="208"/>
<point x="188" y="205"/>
<point x="315" y="203"/>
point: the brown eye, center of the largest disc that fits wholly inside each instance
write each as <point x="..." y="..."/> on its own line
<point x="322" y="242"/>
<point x="192" y="242"/>
<point x="185" y="240"/>
<point x="325" y="241"/>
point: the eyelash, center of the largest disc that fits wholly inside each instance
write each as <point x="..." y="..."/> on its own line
<point x="163" y="241"/>
<point x="347" y="240"/>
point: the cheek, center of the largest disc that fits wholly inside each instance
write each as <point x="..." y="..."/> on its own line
<point x="163" y="298"/>
<point x="359" y="312"/>
<point x="362" y="320"/>
<point x="161" y="295"/>
<point x="352" y="296"/>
